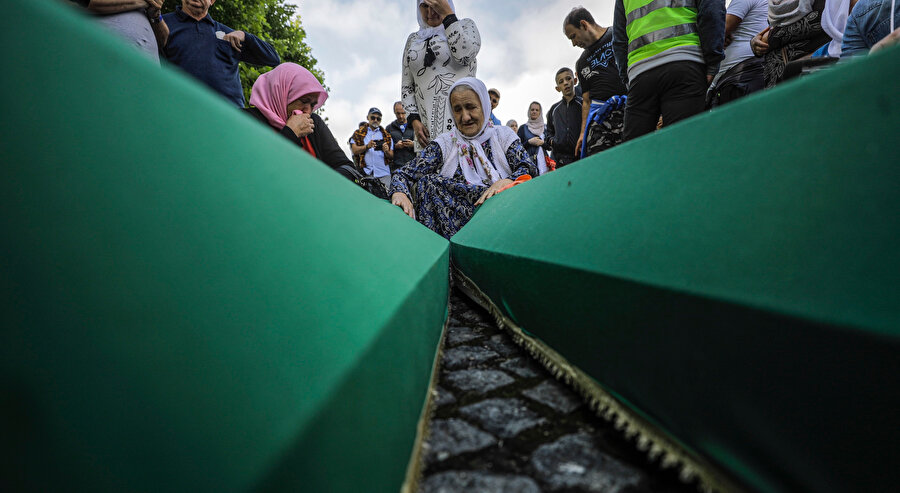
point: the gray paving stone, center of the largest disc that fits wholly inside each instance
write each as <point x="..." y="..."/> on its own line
<point x="466" y="357"/>
<point x="573" y="462"/>
<point x="459" y="335"/>
<point x="470" y="317"/>
<point x="523" y="367"/>
<point x="452" y="437"/>
<point x="478" y="482"/>
<point x="505" y="418"/>
<point x="443" y="397"/>
<point x="478" y="381"/>
<point x="555" y="395"/>
<point x="502" y="344"/>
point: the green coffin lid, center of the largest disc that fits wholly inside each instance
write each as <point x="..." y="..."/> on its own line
<point x="732" y="279"/>
<point x="190" y="302"/>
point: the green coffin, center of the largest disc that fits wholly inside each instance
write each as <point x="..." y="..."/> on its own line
<point x="732" y="280"/>
<point x="189" y="302"/>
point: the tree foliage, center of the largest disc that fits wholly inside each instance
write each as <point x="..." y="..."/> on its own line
<point x="271" y="20"/>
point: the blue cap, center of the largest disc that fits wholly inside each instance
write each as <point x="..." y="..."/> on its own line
<point x="375" y="110"/>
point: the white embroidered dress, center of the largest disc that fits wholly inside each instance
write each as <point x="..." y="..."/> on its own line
<point x="433" y="60"/>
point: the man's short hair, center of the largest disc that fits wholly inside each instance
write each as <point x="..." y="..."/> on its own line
<point x="577" y="15"/>
<point x="494" y="92"/>
<point x="564" y="69"/>
<point x="396" y="103"/>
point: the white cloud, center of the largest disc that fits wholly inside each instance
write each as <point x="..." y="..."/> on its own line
<point x="359" y="46"/>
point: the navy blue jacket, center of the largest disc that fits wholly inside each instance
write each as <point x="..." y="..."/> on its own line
<point x="525" y="135"/>
<point x="193" y="46"/>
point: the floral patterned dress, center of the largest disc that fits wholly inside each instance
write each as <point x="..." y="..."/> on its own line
<point x="444" y="205"/>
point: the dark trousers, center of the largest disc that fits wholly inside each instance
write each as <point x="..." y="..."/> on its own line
<point x="564" y="160"/>
<point x="744" y="78"/>
<point x="675" y="90"/>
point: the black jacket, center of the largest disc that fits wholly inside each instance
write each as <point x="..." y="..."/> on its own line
<point x="327" y="149"/>
<point x="401" y="156"/>
<point x="563" y="129"/>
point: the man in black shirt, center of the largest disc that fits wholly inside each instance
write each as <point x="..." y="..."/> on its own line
<point x="603" y="87"/>
<point x="564" y="120"/>
<point x="403" y="135"/>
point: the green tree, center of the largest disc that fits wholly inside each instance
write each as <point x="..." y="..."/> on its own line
<point x="273" y="21"/>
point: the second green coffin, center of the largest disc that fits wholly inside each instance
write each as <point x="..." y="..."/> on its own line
<point x="732" y="279"/>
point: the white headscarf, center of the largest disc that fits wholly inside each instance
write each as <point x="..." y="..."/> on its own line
<point x="834" y="20"/>
<point x="464" y="152"/>
<point x="426" y="31"/>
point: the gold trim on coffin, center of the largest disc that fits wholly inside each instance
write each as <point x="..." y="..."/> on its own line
<point x="647" y="437"/>
<point x="414" y="469"/>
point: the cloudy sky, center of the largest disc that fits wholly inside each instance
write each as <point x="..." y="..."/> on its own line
<point x="359" y="44"/>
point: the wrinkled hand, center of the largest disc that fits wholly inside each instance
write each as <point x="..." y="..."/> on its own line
<point x="440" y="7"/>
<point x="536" y="141"/>
<point x="422" y="133"/>
<point x="401" y="200"/>
<point x="236" y="38"/>
<point x="302" y="124"/>
<point x="759" y="45"/>
<point x="493" y="190"/>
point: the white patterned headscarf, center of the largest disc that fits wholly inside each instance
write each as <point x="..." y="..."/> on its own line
<point x="466" y="153"/>
<point x="426" y="31"/>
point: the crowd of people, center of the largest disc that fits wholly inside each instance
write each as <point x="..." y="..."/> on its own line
<point x="446" y="152"/>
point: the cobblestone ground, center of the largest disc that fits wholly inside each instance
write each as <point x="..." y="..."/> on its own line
<point x="504" y="424"/>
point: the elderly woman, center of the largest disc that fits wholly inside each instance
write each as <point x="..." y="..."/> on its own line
<point x="441" y="52"/>
<point x="285" y="99"/>
<point x="463" y="167"/>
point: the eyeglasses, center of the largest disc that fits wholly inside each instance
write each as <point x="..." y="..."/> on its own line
<point x="375" y="118"/>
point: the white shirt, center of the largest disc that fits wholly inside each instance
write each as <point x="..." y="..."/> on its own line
<point x="754" y="15"/>
<point x="375" y="164"/>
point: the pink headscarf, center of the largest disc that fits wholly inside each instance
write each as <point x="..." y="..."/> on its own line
<point x="273" y="91"/>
